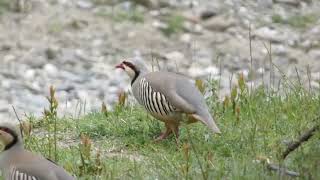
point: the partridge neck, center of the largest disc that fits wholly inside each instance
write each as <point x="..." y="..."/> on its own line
<point x="13" y="143"/>
<point x="136" y="75"/>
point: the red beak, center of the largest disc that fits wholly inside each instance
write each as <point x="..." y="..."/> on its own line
<point x="120" y="66"/>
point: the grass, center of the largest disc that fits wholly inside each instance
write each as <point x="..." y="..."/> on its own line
<point x="119" y="144"/>
<point x="297" y="21"/>
<point x="55" y="27"/>
<point x="4" y="6"/>
<point x="174" y="24"/>
<point x="133" y="15"/>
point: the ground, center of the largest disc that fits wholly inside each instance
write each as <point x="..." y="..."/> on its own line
<point x="256" y="129"/>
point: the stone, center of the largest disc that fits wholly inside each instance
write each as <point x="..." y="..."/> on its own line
<point x="289" y="2"/>
<point x="84" y="4"/>
<point x="83" y="95"/>
<point x="29" y="74"/>
<point x="81" y="54"/>
<point x="51" y="69"/>
<point x="315" y="75"/>
<point x="51" y="53"/>
<point x="261" y="70"/>
<point x="194" y="28"/>
<point x="198" y="71"/>
<point x="9" y="57"/>
<point x="80" y="63"/>
<point x="270" y="34"/>
<point x="6" y="47"/>
<point x="265" y="3"/>
<point x="6" y="84"/>
<point x="38" y="101"/>
<point x="97" y="42"/>
<point x="219" y="23"/>
<point x="4" y="105"/>
<point x="175" y="56"/>
<point x="78" y="24"/>
<point x="279" y="50"/>
<point x="66" y="87"/>
<point x="186" y="38"/>
<point x="315" y="84"/>
<point x="206" y="14"/>
<point x="159" y="25"/>
<point x="314" y="54"/>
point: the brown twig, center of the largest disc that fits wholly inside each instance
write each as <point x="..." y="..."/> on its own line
<point x="251" y="58"/>
<point x="20" y="121"/>
<point x="282" y="170"/>
<point x="304" y="137"/>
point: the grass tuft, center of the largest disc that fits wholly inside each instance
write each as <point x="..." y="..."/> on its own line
<point x="133" y="15"/>
<point x="297" y="21"/>
<point x="174" y="24"/>
<point x="4" y="6"/>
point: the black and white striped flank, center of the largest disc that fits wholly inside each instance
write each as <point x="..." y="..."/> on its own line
<point x="17" y="175"/>
<point x="154" y="101"/>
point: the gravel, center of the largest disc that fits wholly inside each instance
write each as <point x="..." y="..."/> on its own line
<point x="75" y="44"/>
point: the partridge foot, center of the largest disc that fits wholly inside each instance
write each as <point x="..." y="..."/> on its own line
<point x="163" y="135"/>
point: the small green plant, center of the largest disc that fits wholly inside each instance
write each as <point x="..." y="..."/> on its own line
<point x="50" y="123"/>
<point x="133" y="15"/>
<point x="88" y="165"/>
<point x="200" y="85"/>
<point x="102" y="2"/>
<point x="4" y="6"/>
<point x="55" y="27"/>
<point x="276" y="18"/>
<point x="104" y="109"/>
<point x="146" y="3"/>
<point x="297" y="21"/>
<point x="174" y="25"/>
<point x="302" y="21"/>
<point x="122" y="97"/>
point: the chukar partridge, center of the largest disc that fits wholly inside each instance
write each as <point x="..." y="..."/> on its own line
<point x="168" y="97"/>
<point x="16" y="163"/>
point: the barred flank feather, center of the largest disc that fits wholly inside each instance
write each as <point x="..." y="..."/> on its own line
<point x="154" y="101"/>
<point x="17" y="175"/>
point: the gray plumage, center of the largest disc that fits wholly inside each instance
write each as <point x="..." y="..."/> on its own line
<point x="168" y="96"/>
<point x="16" y="163"/>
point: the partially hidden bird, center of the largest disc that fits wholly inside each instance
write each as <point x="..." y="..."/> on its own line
<point x="17" y="163"/>
<point x="169" y="97"/>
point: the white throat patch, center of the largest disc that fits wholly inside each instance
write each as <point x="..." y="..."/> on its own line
<point x="129" y="71"/>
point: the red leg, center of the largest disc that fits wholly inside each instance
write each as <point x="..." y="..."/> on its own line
<point x="170" y="128"/>
<point x="175" y="129"/>
<point x="165" y="134"/>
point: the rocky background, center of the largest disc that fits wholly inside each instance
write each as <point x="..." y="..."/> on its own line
<point x="75" y="44"/>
